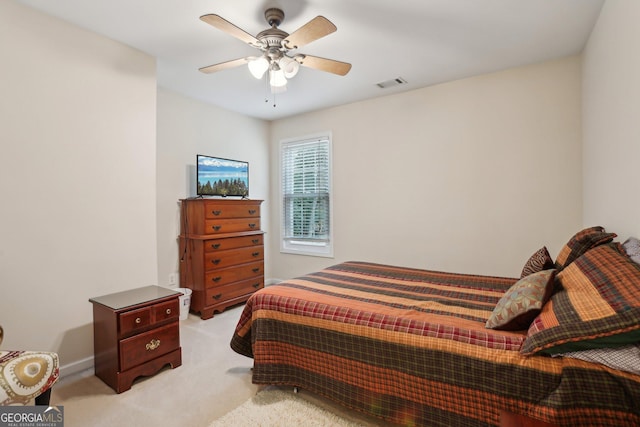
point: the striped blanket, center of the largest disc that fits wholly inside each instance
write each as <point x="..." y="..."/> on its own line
<point x="410" y="346"/>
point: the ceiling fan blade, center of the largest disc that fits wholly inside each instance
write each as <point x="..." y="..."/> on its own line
<point x="224" y="65"/>
<point x="328" y="65"/>
<point x="226" y="26"/>
<point x="313" y="30"/>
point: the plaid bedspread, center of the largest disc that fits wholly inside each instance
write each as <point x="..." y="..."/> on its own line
<point x="410" y="346"/>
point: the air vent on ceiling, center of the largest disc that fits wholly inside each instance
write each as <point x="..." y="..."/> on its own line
<point x="393" y="82"/>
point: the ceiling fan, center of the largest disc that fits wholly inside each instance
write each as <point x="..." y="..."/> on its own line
<point x="276" y="48"/>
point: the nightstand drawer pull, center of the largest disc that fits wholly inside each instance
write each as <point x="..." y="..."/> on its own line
<point x="138" y="320"/>
<point x="255" y="241"/>
<point x="216" y="227"/>
<point x="153" y="344"/>
<point x="216" y="213"/>
<point x="217" y="278"/>
<point x="168" y="311"/>
<point x="252" y="211"/>
<point x="256" y="285"/>
<point x="255" y="270"/>
<point x="217" y="297"/>
<point x="215" y="245"/>
<point x="252" y="226"/>
<point x="255" y="254"/>
<point x="215" y="261"/>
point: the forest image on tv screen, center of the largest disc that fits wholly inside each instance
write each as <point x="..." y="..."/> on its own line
<point x="222" y="177"/>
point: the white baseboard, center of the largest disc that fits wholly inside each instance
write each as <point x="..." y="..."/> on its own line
<point x="76" y="367"/>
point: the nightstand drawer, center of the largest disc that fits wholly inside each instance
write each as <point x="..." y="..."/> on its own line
<point x="167" y="310"/>
<point x="149" y="345"/>
<point x="135" y="320"/>
<point x="232" y="243"/>
<point x="225" y="210"/>
<point x="232" y="257"/>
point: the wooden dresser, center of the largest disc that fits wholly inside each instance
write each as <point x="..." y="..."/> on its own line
<point x="221" y="252"/>
<point x="135" y="333"/>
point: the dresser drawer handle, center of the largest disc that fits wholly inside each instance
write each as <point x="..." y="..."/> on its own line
<point x="255" y="241"/>
<point x="215" y="245"/>
<point x="256" y="285"/>
<point x="217" y="297"/>
<point x="153" y="344"/>
<point x="252" y="226"/>
<point x="217" y="278"/>
<point x="138" y="320"/>
<point x="255" y="270"/>
<point x="216" y="261"/>
<point x="252" y="211"/>
<point x="168" y="311"/>
<point x="216" y="227"/>
<point x="255" y="254"/>
<point x="216" y="213"/>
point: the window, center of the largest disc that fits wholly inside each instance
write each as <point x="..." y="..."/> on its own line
<point x="306" y="196"/>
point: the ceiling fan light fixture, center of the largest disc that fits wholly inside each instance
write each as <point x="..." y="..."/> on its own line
<point x="277" y="78"/>
<point x="278" y="89"/>
<point x="289" y="66"/>
<point x="258" y="67"/>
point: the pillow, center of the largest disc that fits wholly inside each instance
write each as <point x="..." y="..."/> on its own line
<point x="580" y="243"/>
<point x="540" y="260"/>
<point x="625" y="358"/>
<point x="597" y="305"/>
<point x="632" y="248"/>
<point x="522" y="302"/>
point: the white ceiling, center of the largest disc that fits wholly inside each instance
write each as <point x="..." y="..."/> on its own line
<point x="423" y="41"/>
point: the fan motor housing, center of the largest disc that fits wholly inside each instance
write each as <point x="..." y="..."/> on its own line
<point x="274" y="16"/>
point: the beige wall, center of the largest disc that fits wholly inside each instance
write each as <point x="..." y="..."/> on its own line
<point x="187" y="127"/>
<point x="469" y="176"/>
<point x="77" y="178"/>
<point x="611" y="120"/>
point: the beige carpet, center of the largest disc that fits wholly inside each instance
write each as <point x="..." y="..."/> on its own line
<point x="276" y="408"/>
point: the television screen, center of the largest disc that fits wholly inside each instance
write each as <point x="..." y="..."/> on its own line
<point x="221" y="177"/>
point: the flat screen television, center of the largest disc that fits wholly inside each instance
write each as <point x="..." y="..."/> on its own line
<point x="221" y="177"/>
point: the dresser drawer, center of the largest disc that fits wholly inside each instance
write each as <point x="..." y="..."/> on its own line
<point x="232" y="243"/>
<point x="228" y="275"/>
<point x="228" y="292"/>
<point x="214" y="226"/>
<point x="231" y="257"/>
<point x="134" y="320"/>
<point x="225" y="210"/>
<point x="149" y="345"/>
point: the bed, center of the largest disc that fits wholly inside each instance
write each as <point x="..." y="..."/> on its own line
<point x="418" y="347"/>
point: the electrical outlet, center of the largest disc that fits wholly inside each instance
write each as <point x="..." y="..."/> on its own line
<point x="172" y="278"/>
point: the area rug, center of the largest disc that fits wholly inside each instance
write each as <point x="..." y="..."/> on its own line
<point x="277" y="408"/>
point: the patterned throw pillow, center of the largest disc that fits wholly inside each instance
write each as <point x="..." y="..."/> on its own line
<point x="632" y="248"/>
<point x="522" y="302"/>
<point x="580" y="243"/>
<point x="597" y="305"/>
<point x="540" y="260"/>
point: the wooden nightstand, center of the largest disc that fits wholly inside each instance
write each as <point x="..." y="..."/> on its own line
<point x="135" y="333"/>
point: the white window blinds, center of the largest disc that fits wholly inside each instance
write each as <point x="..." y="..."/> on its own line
<point x="306" y="196"/>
